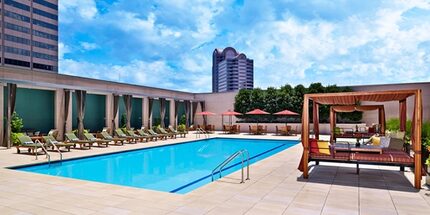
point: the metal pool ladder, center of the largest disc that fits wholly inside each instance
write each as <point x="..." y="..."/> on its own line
<point x="49" y="155"/>
<point x="242" y="153"/>
<point x="201" y="131"/>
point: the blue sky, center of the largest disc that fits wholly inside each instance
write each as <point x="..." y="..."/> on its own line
<point x="169" y="43"/>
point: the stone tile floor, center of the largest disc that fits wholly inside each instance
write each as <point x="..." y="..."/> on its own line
<point x="276" y="187"/>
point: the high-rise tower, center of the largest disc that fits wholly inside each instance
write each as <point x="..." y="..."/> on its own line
<point x="231" y="70"/>
<point x="29" y="34"/>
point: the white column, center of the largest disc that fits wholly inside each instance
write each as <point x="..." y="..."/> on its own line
<point x="59" y="112"/>
<point x="172" y="113"/>
<point x="109" y="111"/>
<point x="145" y="107"/>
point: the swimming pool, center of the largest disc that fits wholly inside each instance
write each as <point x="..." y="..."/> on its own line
<point x="177" y="168"/>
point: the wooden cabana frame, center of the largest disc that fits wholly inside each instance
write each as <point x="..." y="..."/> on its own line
<point x="353" y="98"/>
<point x="351" y="108"/>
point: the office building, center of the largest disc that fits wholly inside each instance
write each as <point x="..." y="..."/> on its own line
<point x="231" y="70"/>
<point x="29" y="34"/>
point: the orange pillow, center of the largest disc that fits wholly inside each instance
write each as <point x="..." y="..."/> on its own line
<point x="324" y="147"/>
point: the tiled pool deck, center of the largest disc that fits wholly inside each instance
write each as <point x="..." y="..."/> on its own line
<point x="276" y="187"/>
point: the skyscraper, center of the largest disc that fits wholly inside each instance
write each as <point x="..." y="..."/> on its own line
<point x="231" y="70"/>
<point x="29" y="34"/>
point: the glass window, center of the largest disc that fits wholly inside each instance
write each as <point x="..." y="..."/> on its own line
<point x="45" y="35"/>
<point x="17" y="16"/>
<point x="43" y="66"/>
<point x="16" y="62"/>
<point x="45" y="24"/>
<point x="45" y="14"/>
<point x="17" y="51"/>
<point x="46" y="4"/>
<point x="17" y="5"/>
<point x="45" y="45"/>
<point x="17" y="28"/>
<point x="44" y="56"/>
<point x="16" y="39"/>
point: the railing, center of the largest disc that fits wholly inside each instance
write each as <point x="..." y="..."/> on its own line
<point x="44" y="149"/>
<point x="201" y="131"/>
<point x="240" y="153"/>
<point x="55" y="147"/>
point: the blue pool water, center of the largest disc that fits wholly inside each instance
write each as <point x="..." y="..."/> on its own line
<point x="177" y="168"/>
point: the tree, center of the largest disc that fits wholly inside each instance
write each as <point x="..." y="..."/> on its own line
<point x="287" y="97"/>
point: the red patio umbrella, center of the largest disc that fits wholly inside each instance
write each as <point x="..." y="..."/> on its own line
<point x="230" y="114"/>
<point x="286" y="113"/>
<point x="257" y="112"/>
<point x="205" y="113"/>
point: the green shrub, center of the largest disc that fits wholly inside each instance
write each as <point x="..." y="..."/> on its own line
<point x="181" y="127"/>
<point x="123" y="120"/>
<point x="15" y="138"/>
<point x="76" y="131"/>
<point x="16" y="123"/>
<point x="156" y="122"/>
<point x="183" y="120"/>
<point x="156" y="127"/>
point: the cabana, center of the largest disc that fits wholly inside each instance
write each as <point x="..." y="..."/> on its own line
<point x="356" y="134"/>
<point x="354" y="98"/>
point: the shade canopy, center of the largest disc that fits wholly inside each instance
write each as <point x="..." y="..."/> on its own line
<point x="354" y="98"/>
<point x="286" y="113"/>
<point x="257" y="112"/>
<point x="231" y="113"/>
<point x="205" y="113"/>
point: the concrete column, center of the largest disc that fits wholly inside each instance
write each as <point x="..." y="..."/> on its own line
<point x="109" y="111"/>
<point x="59" y="112"/>
<point x="172" y="113"/>
<point x="1" y="113"/>
<point x="145" y="118"/>
<point x="69" y="125"/>
<point x="144" y="114"/>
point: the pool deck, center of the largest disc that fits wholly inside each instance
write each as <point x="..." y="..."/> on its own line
<point x="276" y="187"/>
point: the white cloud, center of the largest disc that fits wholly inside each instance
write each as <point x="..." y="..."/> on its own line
<point x="86" y="9"/>
<point x="175" y="39"/>
<point x="88" y="46"/>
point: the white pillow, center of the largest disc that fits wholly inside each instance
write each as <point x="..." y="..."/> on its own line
<point x="385" y="142"/>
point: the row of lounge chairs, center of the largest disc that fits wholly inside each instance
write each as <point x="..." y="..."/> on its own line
<point x="102" y="139"/>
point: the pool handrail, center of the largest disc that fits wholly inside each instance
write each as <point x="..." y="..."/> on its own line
<point x="229" y="159"/>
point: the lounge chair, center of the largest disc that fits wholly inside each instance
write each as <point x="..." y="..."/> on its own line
<point x="27" y="142"/>
<point x="138" y="136"/>
<point x="180" y="133"/>
<point x="121" y="134"/>
<point x="168" y="134"/>
<point x="100" y="142"/>
<point x="50" y="141"/>
<point x="53" y="133"/>
<point x="226" y="129"/>
<point x="106" y="136"/>
<point x="253" y="129"/>
<point x="83" y="144"/>
<point x="149" y="136"/>
<point x="159" y="136"/>
<point x="283" y="130"/>
<point x="235" y="129"/>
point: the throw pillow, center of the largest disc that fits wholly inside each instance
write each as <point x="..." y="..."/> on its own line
<point x="396" y="143"/>
<point x="385" y="142"/>
<point x="314" y="145"/>
<point x="324" y="147"/>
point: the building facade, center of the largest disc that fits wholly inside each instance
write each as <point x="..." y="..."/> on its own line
<point x="29" y="34"/>
<point x="231" y="71"/>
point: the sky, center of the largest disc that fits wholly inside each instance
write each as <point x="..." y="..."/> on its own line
<point x="169" y="43"/>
